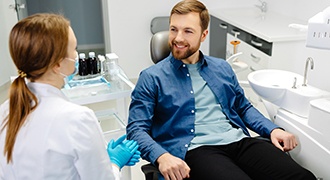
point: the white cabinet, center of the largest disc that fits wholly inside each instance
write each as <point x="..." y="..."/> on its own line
<point x="117" y="94"/>
<point x="266" y="42"/>
<point x="269" y="33"/>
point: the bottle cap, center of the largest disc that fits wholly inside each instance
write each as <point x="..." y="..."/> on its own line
<point x="82" y="55"/>
<point x="91" y="54"/>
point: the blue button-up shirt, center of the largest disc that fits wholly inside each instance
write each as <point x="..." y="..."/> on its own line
<point x="162" y="110"/>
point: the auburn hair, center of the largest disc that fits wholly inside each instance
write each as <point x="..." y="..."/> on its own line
<point x="36" y="43"/>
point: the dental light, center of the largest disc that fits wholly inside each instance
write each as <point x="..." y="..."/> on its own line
<point x="318" y="34"/>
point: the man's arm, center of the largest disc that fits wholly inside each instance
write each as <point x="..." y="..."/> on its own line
<point x="140" y="120"/>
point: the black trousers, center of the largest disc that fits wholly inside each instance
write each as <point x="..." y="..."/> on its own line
<point x="249" y="158"/>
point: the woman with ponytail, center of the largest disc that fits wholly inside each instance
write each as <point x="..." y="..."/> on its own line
<point x="42" y="134"/>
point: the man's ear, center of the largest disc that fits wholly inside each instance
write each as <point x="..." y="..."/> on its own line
<point x="204" y="34"/>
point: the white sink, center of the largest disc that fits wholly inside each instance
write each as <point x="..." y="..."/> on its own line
<point x="284" y="89"/>
<point x="271" y="84"/>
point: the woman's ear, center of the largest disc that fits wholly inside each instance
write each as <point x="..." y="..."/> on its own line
<point x="57" y="67"/>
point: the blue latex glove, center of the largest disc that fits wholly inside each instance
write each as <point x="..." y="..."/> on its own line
<point x="119" y="140"/>
<point x="120" y="152"/>
<point x="135" y="158"/>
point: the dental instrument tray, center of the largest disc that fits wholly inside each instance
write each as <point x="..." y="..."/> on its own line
<point x="95" y="81"/>
<point x="96" y="88"/>
<point x="83" y="87"/>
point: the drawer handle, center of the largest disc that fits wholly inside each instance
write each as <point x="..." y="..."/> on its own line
<point x="235" y="32"/>
<point x="223" y="26"/>
<point x="258" y="44"/>
<point x="255" y="58"/>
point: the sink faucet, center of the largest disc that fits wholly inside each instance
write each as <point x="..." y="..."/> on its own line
<point x="309" y="60"/>
<point x="263" y="6"/>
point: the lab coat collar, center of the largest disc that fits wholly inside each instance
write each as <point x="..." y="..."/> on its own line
<point x="45" y="90"/>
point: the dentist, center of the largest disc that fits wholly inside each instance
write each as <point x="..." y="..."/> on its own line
<point x="42" y="134"/>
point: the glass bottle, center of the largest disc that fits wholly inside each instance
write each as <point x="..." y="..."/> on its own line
<point x="83" y="65"/>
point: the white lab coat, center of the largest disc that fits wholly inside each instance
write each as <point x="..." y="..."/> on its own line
<point x="60" y="140"/>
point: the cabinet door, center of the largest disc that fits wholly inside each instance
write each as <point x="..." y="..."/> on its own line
<point x="218" y="37"/>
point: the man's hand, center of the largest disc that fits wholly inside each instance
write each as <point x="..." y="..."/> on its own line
<point x="172" y="168"/>
<point x="283" y="140"/>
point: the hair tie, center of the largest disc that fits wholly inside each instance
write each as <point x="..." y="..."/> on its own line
<point x="21" y="74"/>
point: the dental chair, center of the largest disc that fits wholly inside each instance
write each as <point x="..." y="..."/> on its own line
<point x="159" y="49"/>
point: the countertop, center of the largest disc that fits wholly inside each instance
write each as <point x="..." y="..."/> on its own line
<point x="270" y="26"/>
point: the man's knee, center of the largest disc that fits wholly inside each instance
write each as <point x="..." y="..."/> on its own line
<point x="306" y="175"/>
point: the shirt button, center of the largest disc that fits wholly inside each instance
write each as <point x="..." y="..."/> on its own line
<point x="186" y="145"/>
<point x="192" y="130"/>
<point x="192" y="111"/>
<point x="188" y="75"/>
<point x="184" y="65"/>
<point x="191" y="92"/>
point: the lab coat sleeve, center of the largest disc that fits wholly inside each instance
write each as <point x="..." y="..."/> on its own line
<point x="88" y="144"/>
<point x="116" y="172"/>
<point x="1" y="173"/>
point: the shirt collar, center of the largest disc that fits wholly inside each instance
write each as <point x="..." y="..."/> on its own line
<point x="178" y="63"/>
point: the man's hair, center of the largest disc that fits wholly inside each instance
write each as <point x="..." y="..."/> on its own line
<point x="188" y="6"/>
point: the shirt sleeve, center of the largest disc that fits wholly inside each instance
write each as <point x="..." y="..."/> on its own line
<point x="140" y="119"/>
<point x="252" y="118"/>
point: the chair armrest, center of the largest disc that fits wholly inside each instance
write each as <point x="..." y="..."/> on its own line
<point x="150" y="171"/>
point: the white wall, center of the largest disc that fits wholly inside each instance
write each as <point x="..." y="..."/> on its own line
<point x="130" y="29"/>
<point x="130" y="33"/>
<point x="7" y="67"/>
<point x="304" y="9"/>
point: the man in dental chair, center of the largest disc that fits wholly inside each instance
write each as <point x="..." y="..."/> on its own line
<point x="190" y="116"/>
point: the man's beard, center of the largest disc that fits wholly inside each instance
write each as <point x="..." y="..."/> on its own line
<point x="177" y="54"/>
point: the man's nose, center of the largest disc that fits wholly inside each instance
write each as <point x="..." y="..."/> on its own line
<point x="179" y="36"/>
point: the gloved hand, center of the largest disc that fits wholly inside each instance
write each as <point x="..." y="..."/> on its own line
<point x="120" y="152"/>
<point x="135" y="158"/>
